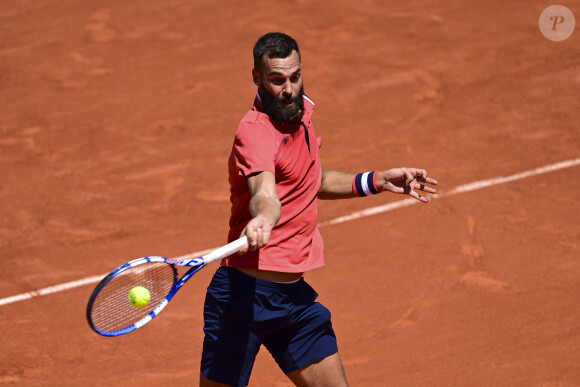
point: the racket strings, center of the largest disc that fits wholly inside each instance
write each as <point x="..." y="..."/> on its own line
<point x="112" y="309"/>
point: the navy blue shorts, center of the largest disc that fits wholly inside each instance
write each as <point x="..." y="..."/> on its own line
<point x="241" y="313"/>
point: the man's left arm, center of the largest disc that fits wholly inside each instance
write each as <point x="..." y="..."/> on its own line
<point x="408" y="181"/>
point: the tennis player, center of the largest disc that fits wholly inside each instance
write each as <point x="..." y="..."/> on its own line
<point x="259" y="297"/>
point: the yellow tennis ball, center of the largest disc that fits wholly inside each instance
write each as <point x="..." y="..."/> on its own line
<point x="139" y="296"/>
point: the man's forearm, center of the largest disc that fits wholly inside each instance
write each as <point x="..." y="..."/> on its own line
<point x="336" y="185"/>
<point x="267" y="207"/>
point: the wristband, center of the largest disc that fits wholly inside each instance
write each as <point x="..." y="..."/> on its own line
<point x="363" y="184"/>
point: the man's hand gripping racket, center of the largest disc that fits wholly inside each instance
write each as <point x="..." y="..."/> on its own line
<point x="110" y="311"/>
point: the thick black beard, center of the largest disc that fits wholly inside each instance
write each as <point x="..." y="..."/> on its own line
<point x="275" y="107"/>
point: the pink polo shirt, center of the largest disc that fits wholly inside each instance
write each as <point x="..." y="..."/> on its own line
<point x="291" y="152"/>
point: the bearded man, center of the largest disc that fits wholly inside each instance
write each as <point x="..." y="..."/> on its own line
<point x="259" y="296"/>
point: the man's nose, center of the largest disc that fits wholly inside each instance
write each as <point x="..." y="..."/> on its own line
<point x="287" y="90"/>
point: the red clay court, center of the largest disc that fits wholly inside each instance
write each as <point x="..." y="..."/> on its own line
<point x="116" y="123"/>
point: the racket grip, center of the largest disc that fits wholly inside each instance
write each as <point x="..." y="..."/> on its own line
<point x="224" y="251"/>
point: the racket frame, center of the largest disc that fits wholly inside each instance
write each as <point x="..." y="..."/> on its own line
<point x="195" y="263"/>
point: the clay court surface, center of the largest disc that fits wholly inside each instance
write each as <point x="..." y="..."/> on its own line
<point x="116" y="122"/>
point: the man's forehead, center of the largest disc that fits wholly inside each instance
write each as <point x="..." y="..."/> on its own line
<point x="284" y="66"/>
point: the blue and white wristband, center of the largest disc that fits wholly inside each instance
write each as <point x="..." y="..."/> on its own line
<point x="364" y="184"/>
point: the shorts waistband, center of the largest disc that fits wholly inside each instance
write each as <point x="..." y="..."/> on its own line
<point x="261" y="283"/>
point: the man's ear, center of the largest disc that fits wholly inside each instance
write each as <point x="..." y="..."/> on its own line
<point x="256" y="77"/>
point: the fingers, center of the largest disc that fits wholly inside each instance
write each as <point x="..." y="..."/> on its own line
<point x="418" y="197"/>
<point x="409" y="177"/>
<point x="419" y="173"/>
<point x="421" y="176"/>
<point x="427" y="180"/>
<point x="258" y="237"/>
<point x="423" y="187"/>
<point x="417" y="183"/>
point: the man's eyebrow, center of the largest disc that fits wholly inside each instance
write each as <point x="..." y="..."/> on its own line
<point x="282" y="74"/>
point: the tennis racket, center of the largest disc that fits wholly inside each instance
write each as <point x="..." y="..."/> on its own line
<point x="111" y="313"/>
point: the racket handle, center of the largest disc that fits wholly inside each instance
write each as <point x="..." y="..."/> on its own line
<point x="224" y="251"/>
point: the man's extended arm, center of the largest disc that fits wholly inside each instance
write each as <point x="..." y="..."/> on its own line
<point x="339" y="185"/>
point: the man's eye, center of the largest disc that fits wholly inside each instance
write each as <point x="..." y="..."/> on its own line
<point x="277" y="81"/>
<point x="295" y="78"/>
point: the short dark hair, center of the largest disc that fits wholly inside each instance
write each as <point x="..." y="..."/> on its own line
<point x="275" y="45"/>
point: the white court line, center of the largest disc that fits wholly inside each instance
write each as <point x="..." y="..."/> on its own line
<point x="355" y="215"/>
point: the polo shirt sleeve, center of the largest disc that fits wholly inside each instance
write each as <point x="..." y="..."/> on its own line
<point x="255" y="149"/>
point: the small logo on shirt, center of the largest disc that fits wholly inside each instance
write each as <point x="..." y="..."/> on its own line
<point x="285" y="140"/>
